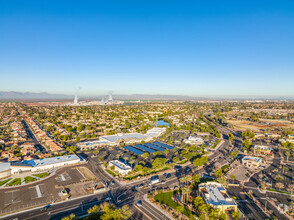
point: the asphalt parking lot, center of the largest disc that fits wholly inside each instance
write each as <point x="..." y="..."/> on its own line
<point x="241" y="173"/>
<point x="40" y="193"/>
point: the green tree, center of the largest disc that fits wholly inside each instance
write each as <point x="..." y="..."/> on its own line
<point x="287" y="154"/>
<point x="94" y="209"/>
<point x="180" y="209"/>
<point x="196" y="179"/>
<point x="236" y="215"/>
<point x="70" y="217"/>
<point x="222" y="216"/>
<point x="232" y="177"/>
<point x="234" y="154"/>
<point x="218" y="173"/>
<point x="158" y="163"/>
<point x="145" y="155"/>
<point x="231" y="137"/>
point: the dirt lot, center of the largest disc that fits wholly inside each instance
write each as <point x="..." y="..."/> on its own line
<point x="86" y="173"/>
<point x="262" y="125"/>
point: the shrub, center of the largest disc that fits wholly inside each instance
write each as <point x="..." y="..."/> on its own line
<point x="29" y="179"/>
<point x="15" y="182"/>
<point x="41" y="175"/>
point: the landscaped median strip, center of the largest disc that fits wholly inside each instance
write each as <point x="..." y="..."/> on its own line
<point x="278" y="191"/>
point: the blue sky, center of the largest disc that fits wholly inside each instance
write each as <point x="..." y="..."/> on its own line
<point x="199" y="48"/>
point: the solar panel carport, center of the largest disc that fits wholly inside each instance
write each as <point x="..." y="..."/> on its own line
<point x="163" y="145"/>
<point x="134" y="150"/>
<point x="154" y="147"/>
<point x="147" y="149"/>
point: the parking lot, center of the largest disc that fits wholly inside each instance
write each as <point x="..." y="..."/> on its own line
<point x="43" y="192"/>
<point x="241" y="173"/>
<point x="70" y="176"/>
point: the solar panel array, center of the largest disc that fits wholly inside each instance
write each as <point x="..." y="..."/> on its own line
<point x="163" y="145"/>
<point x="155" y="147"/>
<point x="147" y="149"/>
<point x="134" y="150"/>
<point x="140" y="149"/>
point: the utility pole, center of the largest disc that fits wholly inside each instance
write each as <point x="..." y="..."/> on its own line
<point x="265" y="203"/>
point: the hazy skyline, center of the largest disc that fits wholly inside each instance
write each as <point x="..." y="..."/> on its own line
<point x="195" y="48"/>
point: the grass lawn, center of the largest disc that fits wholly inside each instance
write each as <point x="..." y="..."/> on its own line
<point x="182" y="161"/>
<point x="41" y="175"/>
<point x="166" y="198"/>
<point x="110" y="172"/>
<point x="216" y="143"/>
<point x="4" y="182"/>
<point x="29" y="179"/>
<point x="15" y="182"/>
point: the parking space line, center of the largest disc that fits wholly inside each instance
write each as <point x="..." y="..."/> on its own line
<point x="80" y="173"/>
<point x="39" y="193"/>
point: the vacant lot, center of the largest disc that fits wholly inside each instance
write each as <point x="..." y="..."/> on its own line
<point x="262" y="125"/>
<point x="86" y="173"/>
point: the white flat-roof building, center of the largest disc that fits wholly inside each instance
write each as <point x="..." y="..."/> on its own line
<point x="215" y="194"/>
<point x="262" y="149"/>
<point x="250" y="161"/>
<point x="120" y="167"/>
<point x="6" y="169"/>
<point x="194" y="140"/>
<point x="128" y="138"/>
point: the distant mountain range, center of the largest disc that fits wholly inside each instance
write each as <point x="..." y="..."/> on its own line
<point x="31" y="96"/>
<point x="44" y="96"/>
<point x="20" y="96"/>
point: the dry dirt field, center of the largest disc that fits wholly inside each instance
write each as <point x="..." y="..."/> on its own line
<point x="258" y="126"/>
<point x="86" y="173"/>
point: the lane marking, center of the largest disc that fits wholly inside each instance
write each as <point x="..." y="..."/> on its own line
<point x="145" y="213"/>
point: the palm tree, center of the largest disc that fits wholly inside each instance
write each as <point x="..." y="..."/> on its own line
<point x="287" y="153"/>
<point x="132" y="162"/>
<point x="186" y="191"/>
<point x="126" y="159"/>
<point x="233" y="178"/>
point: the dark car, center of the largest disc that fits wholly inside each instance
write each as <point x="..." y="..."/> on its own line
<point x="139" y="203"/>
<point x="45" y="208"/>
<point x="134" y="189"/>
<point x="168" y="176"/>
<point x="188" y="169"/>
<point x="141" y="185"/>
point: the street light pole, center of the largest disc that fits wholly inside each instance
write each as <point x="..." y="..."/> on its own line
<point x="265" y="202"/>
